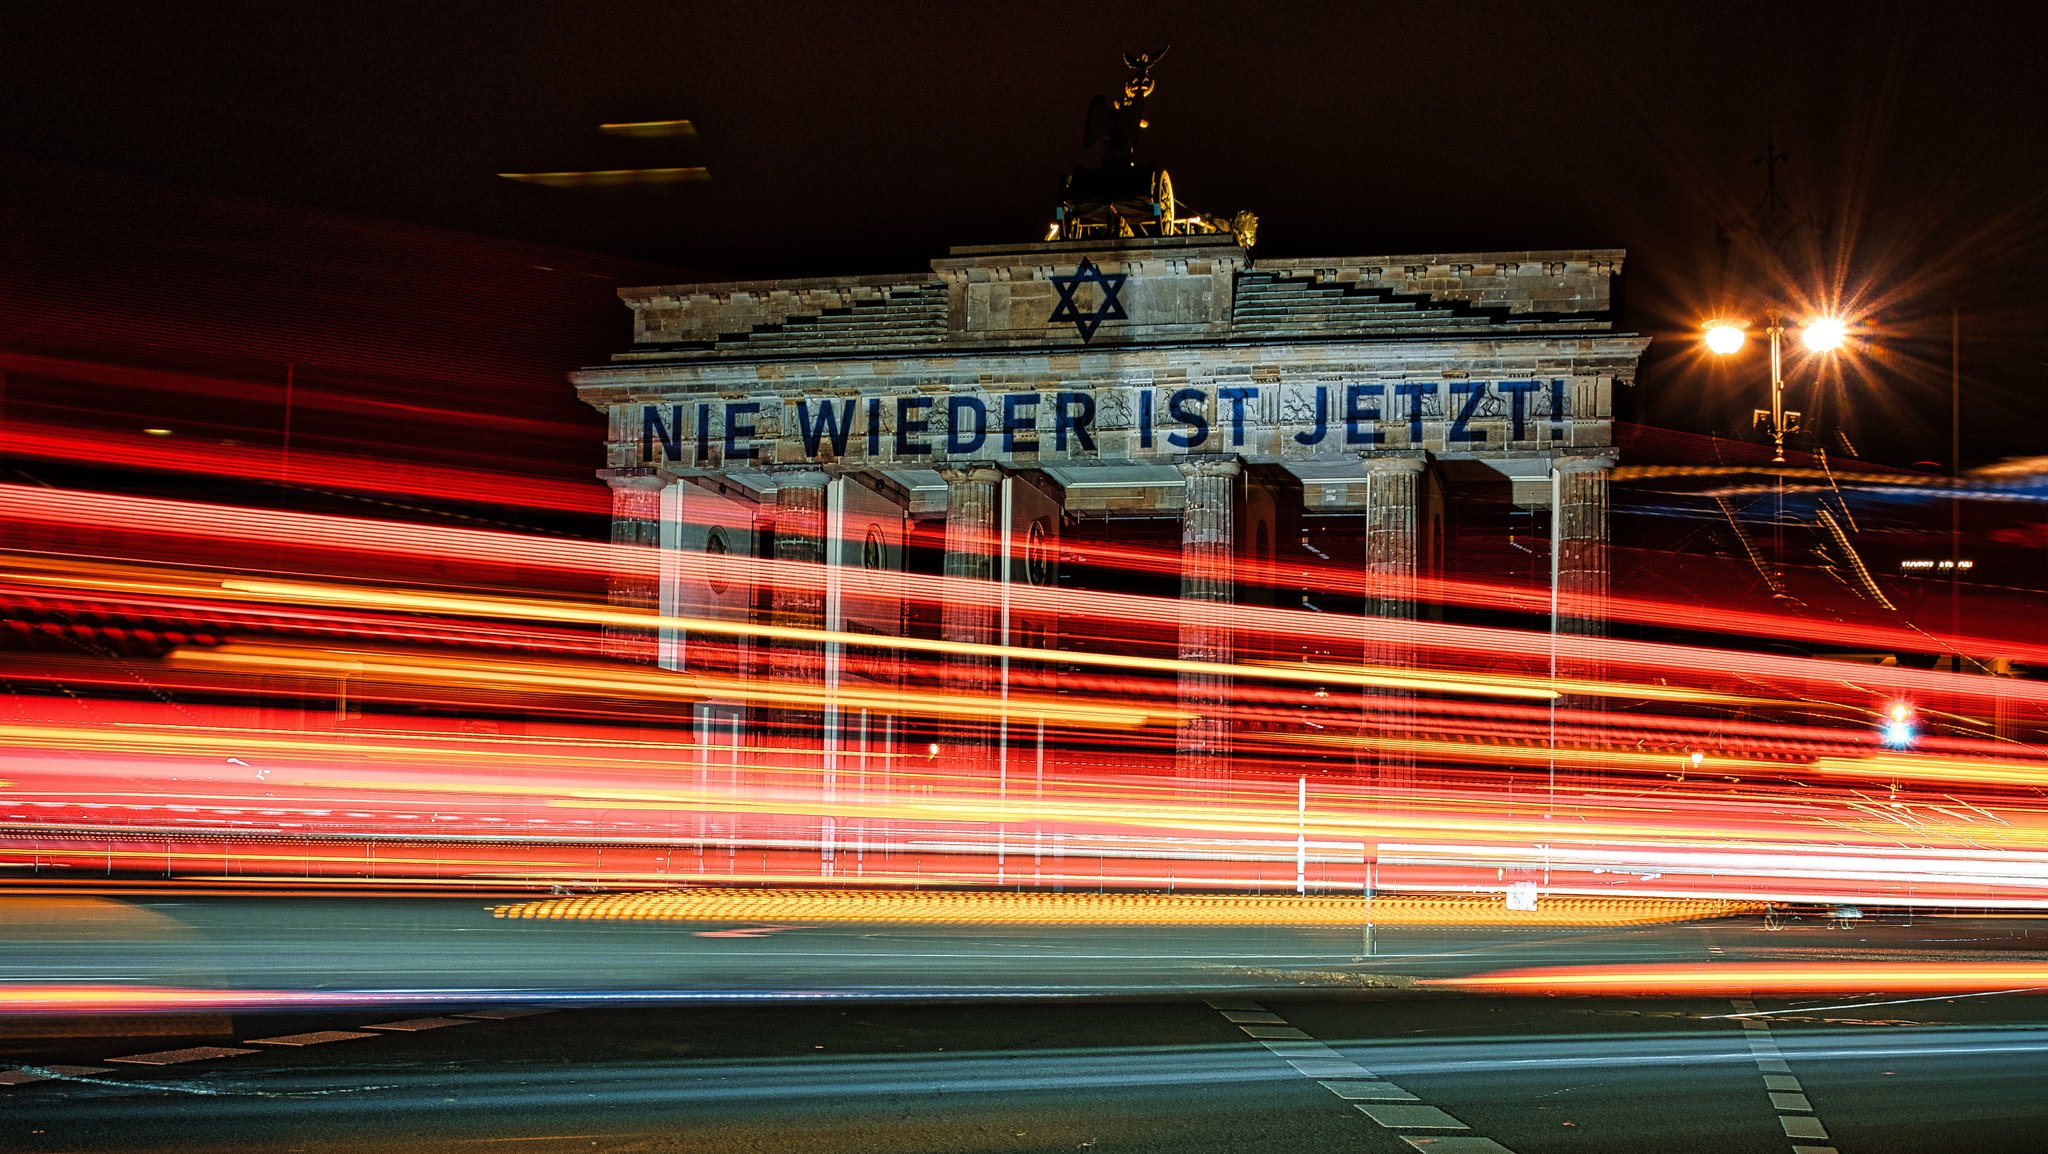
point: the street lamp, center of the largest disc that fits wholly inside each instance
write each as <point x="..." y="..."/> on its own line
<point x="1822" y="335"/>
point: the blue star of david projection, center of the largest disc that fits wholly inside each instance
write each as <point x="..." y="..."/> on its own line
<point x="1109" y="308"/>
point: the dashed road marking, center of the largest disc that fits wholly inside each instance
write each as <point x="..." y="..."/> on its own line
<point x="25" y="1075"/>
<point x="1788" y="1096"/>
<point x="315" y="1038"/>
<point x="1274" y="1032"/>
<point x="1384" y="1102"/>
<point x="180" y="1057"/>
<point x="1308" y="1049"/>
<point x="1454" y="1144"/>
<point x="1372" y="1091"/>
<point x="1412" y="1118"/>
<point x="1338" y="1069"/>
<point x="414" y="1025"/>
<point x="1802" y="1126"/>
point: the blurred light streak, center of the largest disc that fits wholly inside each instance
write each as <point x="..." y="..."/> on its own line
<point x="1029" y="908"/>
<point x="1927" y="767"/>
<point x="36" y="998"/>
<point x="611" y="177"/>
<point x="559" y="611"/>
<point x="1783" y="978"/>
<point x="306" y="468"/>
<point x="372" y="538"/>
<point x="649" y="128"/>
<point x="614" y="681"/>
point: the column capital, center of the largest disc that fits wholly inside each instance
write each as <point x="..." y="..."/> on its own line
<point x="1411" y="461"/>
<point x="799" y="476"/>
<point x="1585" y="462"/>
<point x="646" y="480"/>
<point x="971" y="472"/>
<point x="1210" y="467"/>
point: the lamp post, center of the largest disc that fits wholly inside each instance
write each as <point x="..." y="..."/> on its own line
<point x="1822" y="334"/>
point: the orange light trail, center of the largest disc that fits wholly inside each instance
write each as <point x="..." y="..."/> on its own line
<point x="1742" y="978"/>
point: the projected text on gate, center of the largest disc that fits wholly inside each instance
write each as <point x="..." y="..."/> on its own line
<point x="1269" y="421"/>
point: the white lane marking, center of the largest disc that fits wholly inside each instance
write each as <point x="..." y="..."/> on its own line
<point x="414" y="1025"/>
<point x="503" y="1014"/>
<point x="22" y="1077"/>
<point x="178" y="1057"/>
<point x="1457" y="1144"/>
<point x="1275" y="1032"/>
<point x="315" y="1038"/>
<point x="1234" y="1004"/>
<point x="1321" y="1070"/>
<point x="1415" y="1118"/>
<point x="1354" y="1083"/>
<point x="1802" y="1126"/>
<point x="1308" y="1049"/>
<point x="1369" y="1091"/>
<point x="1787" y="1095"/>
<point x="1755" y="1013"/>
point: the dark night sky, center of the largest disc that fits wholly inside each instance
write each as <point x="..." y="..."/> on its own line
<point x="868" y="138"/>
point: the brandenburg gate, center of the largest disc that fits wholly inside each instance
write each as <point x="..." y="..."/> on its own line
<point x="1139" y="363"/>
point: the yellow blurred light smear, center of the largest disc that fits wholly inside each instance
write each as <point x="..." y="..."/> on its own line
<point x="1783" y="978"/>
<point x="1532" y="754"/>
<point x="1550" y="688"/>
<point x="214" y="858"/>
<point x="608" y="682"/>
<point x="27" y="918"/>
<point x="555" y="611"/>
<point x="1338" y="816"/>
<point x="1927" y="768"/>
<point x="220" y="740"/>
<point x="611" y="177"/>
<point x="649" y="129"/>
<point x="1037" y="908"/>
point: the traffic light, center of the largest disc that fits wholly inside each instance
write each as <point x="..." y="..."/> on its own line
<point x="1898" y="731"/>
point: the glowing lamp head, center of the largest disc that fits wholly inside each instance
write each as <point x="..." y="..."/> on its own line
<point x="1824" y="334"/>
<point x="1724" y="338"/>
<point x="1696" y="758"/>
<point x="1898" y="731"/>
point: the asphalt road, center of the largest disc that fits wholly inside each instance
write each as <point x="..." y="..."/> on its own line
<point x="428" y="947"/>
<point x="1268" y="1056"/>
<point x="1530" y="1076"/>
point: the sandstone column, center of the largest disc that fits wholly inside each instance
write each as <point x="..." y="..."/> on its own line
<point x="1392" y="556"/>
<point x="798" y="598"/>
<point x="1208" y="532"/>
<point x="1578" y="582"/>
<point x="1578" y="491"/>
<point x="1392" y="536"/>
<point x="636" y="560"/>
<point x="973" y="542"/>
<point x="973" y="538"/>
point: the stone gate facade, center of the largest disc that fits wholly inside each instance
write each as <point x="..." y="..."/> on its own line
<point x="1008" y="386"/>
